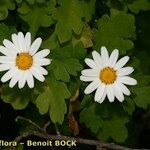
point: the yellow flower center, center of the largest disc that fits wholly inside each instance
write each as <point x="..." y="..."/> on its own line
<point x="108" y="75"/>
<point x="24" y="61"/>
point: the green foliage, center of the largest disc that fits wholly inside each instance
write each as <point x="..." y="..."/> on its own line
<point x="88" y="115"/>
<point x="140" y="100"/>
<point x="85" y="37"/>
<point x="139" y="5"/>
<point x="31" y="1"/>
<point x="72" y="29"/>
<point x="141" y="92"/>
<point x="134" y="6"/>
<point x="18" y="99"/>
<point x="37" y="15"/>
<point x="128" y="105"/>
<point x="6" y="5"/>
<point x="68" y="12"/>
<point x="114" y="128"/>
<point x="104" y="121"/>
<point x="66" y="67"/>
<point x="115" y="31"/>
<point x="66" y="63"/>
<point x="5" y="32"/>
<point x="52" y="101"/>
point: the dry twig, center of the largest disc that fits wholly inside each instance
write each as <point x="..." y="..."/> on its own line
<point x="41" y="133"/>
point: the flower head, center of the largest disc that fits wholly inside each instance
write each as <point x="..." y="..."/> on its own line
<point x="22" y="61"/>
<point x="108" y="76"/>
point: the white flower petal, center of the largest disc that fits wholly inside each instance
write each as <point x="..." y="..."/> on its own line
<point x="42" y="62"/>
<point x="90" y="63"/>
<point x="125" y="71"/>
<point x="123" y="88"/>
<point x="21" y="42"/>
<point x="11" y="47"/>
<point x="127" y="80"/>
<point x="113" y="58"/>
<point x="110" y="93"/>
<point x="37" y="74"/>
<point x="35" y="46"/>
<point x="41" y="54"/>
<point x="4" y="67"/>
<point x="28" y="41"/>
<point x="9" y="74"/>
<point x="87" y="79"/>
<point x="121" y="62"/>
<point x="97" y="58"/>
<point x="90" y="72"/>
<point x="5" y="51"/>
<point x="118" y="93"/>
<point x="41" y="70"/>
<point x="103" y="97"/>
<point x="30" y="80"/>
<point x="99" y="92"/>
<point x="92" y="87"/>
<point x="15" y="42"/>
<point x="22" y="79"/>
<point x="7" y="60"/>
<point x="104" y="55"/>
<point x="14" y="79"/>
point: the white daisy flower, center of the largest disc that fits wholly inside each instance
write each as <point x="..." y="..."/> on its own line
<point x="22" y="60"/>
<point x="108" y="76"/>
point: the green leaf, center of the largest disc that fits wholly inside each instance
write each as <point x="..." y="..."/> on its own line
<point x="78" y="51"/>
<point x="128" y="105"/>
<point x="88" y="9"/>
<point x="65" y="63"/>
<point x="139" y="5"/>
<point x="106" y="124"/>
<point x="141" y="91"/>
<point x="40" y="1"/>
<point x="51" y="42"/>
<point x="70" y="16"/>
<point x="52" y="101"/>
<point x="72" y="66"/>
<point x="31" y="1"/>
<point x="86" y="101"/>
<point x="18" y="1"/>
<point x="63" y="69"/>
<point x="5" y="32"/>
<point x="143" y="80"/>
<point x="19" y="99"/>
<point x="117" y="4"/>
<point x="142" y="98"/>
<point x="37" y="15"/>
<point x="73" y="86"/>
<point x="104" y="119"/>
<point x="90" y="118"/>
<point x="85" y="37"/>
<point x="60" y="71"/>
<point x="43" y="101"/>
<point x="114" y="127"/>
<point x="115" y="31"/>
<point x="6" y="5"/>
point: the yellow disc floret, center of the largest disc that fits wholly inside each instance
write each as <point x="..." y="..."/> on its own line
<point x="108" y="75"/>
<point x="24" y="61"/>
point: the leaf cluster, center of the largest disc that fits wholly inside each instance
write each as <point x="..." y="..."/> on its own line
<point x="72" y="29"/>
